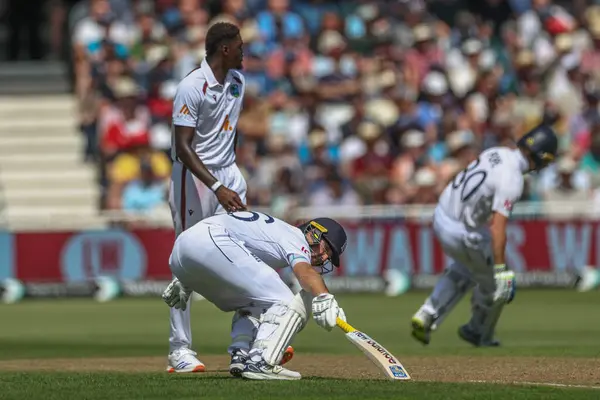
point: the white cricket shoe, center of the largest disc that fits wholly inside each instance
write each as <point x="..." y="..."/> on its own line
<point x="588" y="279"/>
<point x="262" y="371"/>
<point x="239" y="358"/>
<point x="421" y="326"/>
<point x="184" y="360"/>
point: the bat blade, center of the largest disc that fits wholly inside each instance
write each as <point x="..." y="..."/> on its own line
<point x="379" y="355"/>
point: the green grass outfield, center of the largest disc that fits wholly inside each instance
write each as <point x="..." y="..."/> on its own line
<point x="553" y="331"/>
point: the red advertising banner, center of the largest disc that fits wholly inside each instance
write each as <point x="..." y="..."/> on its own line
<point x="373" y="248"/>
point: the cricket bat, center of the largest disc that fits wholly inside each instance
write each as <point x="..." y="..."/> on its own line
<point x="382" y="358"/>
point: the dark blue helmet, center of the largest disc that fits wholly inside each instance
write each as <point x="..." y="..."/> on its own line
<point x="540" y="144"/>
<point x="332" y="232"/>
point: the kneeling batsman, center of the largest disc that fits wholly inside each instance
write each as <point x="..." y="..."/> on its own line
<point x="231" y="260"/>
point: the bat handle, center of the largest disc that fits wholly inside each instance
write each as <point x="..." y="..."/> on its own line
<point x="346" y="327"/>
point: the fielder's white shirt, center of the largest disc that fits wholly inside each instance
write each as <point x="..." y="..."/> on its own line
<point x="275" y="242"/>
<point x="201" y="102"/>
<point x="492" y="183"/>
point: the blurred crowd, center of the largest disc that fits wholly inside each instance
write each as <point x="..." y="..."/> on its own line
<point x="347" y="102"/>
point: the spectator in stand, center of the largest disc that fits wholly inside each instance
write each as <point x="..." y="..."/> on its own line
<point x="500" y="130"/>
<point x="430" y="109"/>
<point x="413" y="156"/>
<point x="565" y="175"/>
<point x="461" y="147"/>
<point x="569" y="185"/>
<point x="336" y="72"/>
<point x="127" y="167"/>
<point x="320" y="160"/>
<point x="160" y="106"/>
<point x="370" y="172"/>
<point x="425" y="181"/>
<point x="101" y="24"/>
<point x="145" y="194"/>
<point x="335" y="192"/>
<point x="126" y="123"/>
<point x="425" y="54"/>
<point x="590" y="161"/>
<point x="580" y="125"/>
<point x="278" y="23"/>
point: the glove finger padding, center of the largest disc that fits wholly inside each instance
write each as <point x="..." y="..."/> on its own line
<point x="513" y="290"/>
<point x="168" y="295"/>
<point x="505" y="289"/>
<point x="325" y="311"/>
<point x="341" y="314"/>
<point x="176" y="295"/>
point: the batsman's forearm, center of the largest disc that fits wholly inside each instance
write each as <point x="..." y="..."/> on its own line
<point x="192" y="162"/>
<point x="309" y="279"/>
<point x="498" y="244"/>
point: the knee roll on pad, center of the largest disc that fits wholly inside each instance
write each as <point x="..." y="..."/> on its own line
<point x="278" y="327"/>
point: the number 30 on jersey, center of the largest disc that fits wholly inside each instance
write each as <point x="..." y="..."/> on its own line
<point x="254" y="216"/>
<point x="469" y="180"/>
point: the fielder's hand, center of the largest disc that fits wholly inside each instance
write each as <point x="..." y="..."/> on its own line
<point x="505" y="284"/>
<point x="229" y="199"/>
<point x="325" y="311"/>
<point x="176" y="295"/>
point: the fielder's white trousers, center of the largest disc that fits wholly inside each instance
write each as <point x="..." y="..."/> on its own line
<point x="190" y="202"/>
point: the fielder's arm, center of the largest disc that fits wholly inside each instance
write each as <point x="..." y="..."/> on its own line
<point x="186" y="110"/>
<point x="498" y="231"/>
<point x="309" y="279"/>
<point x="188" y="157"/>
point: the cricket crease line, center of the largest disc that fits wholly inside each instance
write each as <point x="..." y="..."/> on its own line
<point x="549" y="384"/>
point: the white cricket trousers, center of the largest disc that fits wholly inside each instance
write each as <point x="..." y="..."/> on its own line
<point x="191" y="201"/>
<point x="470" y="249"/>
<point x="208" y="260"/>
<point x="472" y="265"/>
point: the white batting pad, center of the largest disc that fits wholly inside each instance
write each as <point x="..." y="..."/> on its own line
<point x="278" y="327"/>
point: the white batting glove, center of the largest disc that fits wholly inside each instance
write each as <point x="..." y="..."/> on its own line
<point x="176" y="295"/>
<point x="325" y="311"/>
<point x="505" y="284"/>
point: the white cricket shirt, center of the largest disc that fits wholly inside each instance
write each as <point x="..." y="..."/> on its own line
<point x="275" y="242"/>
<point x="201" y="102"/>
<point x="492" y="183"/>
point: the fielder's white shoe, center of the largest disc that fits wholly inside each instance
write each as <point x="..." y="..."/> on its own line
<point x="184" y="360"/>
<point x="261" y="371"/>
<point x="421" y="326"/>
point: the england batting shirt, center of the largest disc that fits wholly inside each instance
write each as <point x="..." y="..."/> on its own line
<point x="492" y="183"/>
<point x="277" y="243"/>
<point x="201" y="102"/>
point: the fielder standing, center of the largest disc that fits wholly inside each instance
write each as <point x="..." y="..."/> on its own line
<point x="205" y="179"/>
<point x="231" y="260"/>
<point x="486" y="190"/>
